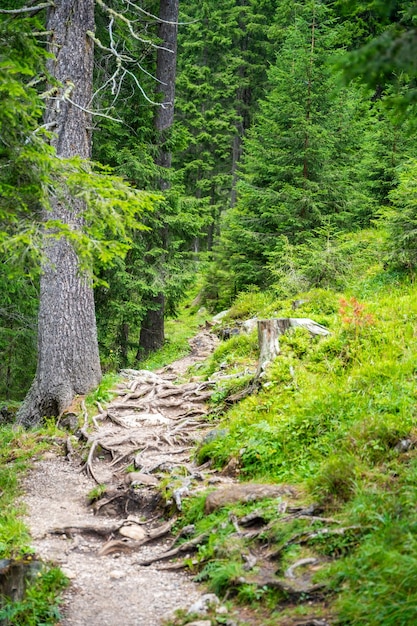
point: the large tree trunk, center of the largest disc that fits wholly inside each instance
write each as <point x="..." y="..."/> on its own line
<point x="152" y="334"/>
<point x="68" y="358"/>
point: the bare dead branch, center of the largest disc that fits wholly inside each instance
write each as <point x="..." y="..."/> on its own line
<point x="28" y="9"/>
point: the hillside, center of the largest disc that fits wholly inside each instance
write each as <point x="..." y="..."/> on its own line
<point x="330" y="427"/>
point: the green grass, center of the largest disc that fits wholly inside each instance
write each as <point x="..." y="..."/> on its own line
<point x="330" y="419"/>
<point x="40" y="604"/>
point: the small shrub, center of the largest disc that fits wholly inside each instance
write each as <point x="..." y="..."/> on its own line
<point x="336" y="479"/>
<point x="40" y="604"/>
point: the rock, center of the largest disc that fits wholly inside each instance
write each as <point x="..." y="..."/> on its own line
<point x="48" y="456"/>
<point x="249" y="325"/>
<point x="69" y="573"/>
<point x="404" y="445"/>
<point x="139" y="478"/>
<point x="204" y="603"/>
<point x="232" y="469"/>
<point x="7" y="414"/>
<point x="245" y="492"/>
<point x="218" y="318"/>
<point x="133" y="532"/>
<point x="216" y="433"/>
<point x="69" y="421"/>
<point x="200" y="622"/>
<point x="117" y="574"/>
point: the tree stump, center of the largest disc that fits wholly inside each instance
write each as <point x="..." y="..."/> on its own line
<point x="269" y="332"/>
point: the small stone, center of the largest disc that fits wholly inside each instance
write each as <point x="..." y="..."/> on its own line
<point x="139" y="478"/>
<point x="133" y="532"/>
<point x="49" y="456"/>
<point x="117" y="574"/>
<point x="200" y="622"/>
<point x="69" y="573"/>
<point x="204" y="603"/>
<point x="222" y="610"/>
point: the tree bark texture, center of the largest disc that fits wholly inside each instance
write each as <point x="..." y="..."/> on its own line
<point x="152" y="333"/>
<point x="68" y="358"/>
<point x="166" y="67"/>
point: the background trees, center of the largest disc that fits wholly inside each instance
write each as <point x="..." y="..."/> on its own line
<point x="277" y="149"/>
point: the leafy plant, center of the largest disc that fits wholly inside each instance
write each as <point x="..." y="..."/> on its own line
<point x="40" y="604"/>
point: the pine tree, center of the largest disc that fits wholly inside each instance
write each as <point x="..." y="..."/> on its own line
<point x="223" y="55"/>
<point x="298" y="171"/>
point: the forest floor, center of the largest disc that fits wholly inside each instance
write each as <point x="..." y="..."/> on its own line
<point x="150" y="430"/>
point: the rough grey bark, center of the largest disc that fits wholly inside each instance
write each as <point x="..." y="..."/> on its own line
<point x="152" y="333"/>
<point x="166" y="67"/>
<point x="68" y="358"/>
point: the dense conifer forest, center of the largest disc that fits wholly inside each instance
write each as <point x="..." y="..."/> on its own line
<point x="180" y="159"/>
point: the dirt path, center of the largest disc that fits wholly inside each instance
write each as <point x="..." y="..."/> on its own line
<point x="152" y="428"/>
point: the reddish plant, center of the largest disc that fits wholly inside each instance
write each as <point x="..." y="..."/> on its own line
<point x="354" y="314"/>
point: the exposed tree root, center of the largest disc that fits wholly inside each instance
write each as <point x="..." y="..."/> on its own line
<point x="305" y="537"/>
<point x="184" y="547"/>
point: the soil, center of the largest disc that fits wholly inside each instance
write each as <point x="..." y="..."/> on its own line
<point x="157" y="433"/>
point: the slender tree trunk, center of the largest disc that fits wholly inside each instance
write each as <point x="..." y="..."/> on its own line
<point x="152" y="330"/>
<point x="68" y="358"/>
<point x="152" y="333"/>
<point x="308" y="106"/>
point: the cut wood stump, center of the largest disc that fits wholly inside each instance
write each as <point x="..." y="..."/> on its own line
<point x="269" y="332"/>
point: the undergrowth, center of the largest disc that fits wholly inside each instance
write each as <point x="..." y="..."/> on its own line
<point x="336" y="416"/>
<point x="178" y="331"/>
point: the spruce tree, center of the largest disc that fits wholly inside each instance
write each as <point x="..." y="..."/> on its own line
<point x="298" y="170"/>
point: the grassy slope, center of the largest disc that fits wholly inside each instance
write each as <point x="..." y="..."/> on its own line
<point x="331" y="419"/>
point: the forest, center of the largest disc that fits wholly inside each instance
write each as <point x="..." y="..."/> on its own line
<point x="165" y="161"/>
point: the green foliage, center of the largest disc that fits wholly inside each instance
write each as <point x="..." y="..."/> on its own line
<point x="224" y="51"/>
<point x="234" y="354"/>
<point x="387" y="59"/>
<point x="96" y="493"/>
<point x="18" y="323"/>
<point x="103" y="393"/>
<point x="16" y="449"/>
<point x="382" y="568"/>
<point x="402" y="219"/>
<point x="40" y="604"/>
<point x="301" y="183"/>
<point x="337" y="414"/>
